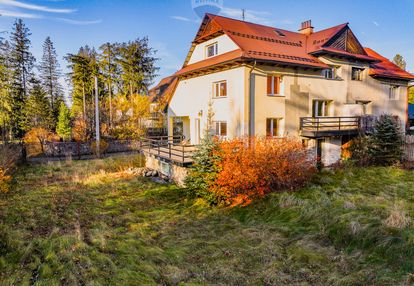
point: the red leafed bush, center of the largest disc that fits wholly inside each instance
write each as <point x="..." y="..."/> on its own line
<point x="249" y="169"/>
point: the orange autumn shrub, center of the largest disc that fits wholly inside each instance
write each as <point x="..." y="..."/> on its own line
<point x="250" y="169"/>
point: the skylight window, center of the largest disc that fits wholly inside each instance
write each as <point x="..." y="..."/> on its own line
<point x="279" y="33"/>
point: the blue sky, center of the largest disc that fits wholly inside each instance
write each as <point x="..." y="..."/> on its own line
<point x="385" y="26"/>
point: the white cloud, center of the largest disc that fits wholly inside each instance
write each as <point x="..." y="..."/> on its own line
<point x="34" y="7"/>
<point x="15" y="14"/>
<point x="375" y="23"/>
<point x="185" y="19"/>
<point x="79" y="22"/>
<point x="259" y="17"/>
<point x="180" y="18"/>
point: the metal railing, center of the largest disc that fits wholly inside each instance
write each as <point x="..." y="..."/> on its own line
<point x="337" y="123"/>
<point x="171" y="148"/>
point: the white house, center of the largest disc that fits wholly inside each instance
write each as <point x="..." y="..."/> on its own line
<point x="264" y="81"/>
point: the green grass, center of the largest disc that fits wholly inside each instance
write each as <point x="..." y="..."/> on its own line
<point x="91" y="223"/>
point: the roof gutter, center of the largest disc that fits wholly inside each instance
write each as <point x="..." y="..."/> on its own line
<point x="251" y="89"/>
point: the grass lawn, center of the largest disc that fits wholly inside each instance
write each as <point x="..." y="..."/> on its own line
<point x="91" y="223"/>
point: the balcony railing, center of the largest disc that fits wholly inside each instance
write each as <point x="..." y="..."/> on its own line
<point x="169" y="148"/>
<point x="331" y="126"/>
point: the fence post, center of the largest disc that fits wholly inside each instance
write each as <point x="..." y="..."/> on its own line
<point x="169" y="150"/>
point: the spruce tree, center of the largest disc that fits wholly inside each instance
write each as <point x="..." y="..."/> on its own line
<point x="203" y="171"/>
<point x="63" y="128"/>
<point x="110" y="72"/>
<point x="49" y="70"/>
<point x="137" y="61"/>
<point x="385" y="144"/>
<point x="21" y="63"/>
<point x="5" y="99"/>
<point x="37" y="111"/>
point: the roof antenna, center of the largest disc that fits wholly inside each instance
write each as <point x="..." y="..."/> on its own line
<point x="243" y="14"/>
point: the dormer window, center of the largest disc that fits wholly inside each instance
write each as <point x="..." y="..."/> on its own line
<point x="279" y="33"/>
<point x="357" y="73"/>
<point x="211" y="50"/>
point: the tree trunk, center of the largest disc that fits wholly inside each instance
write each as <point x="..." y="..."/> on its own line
<point x="84" y="101"/>
<point x="110" y="103"/>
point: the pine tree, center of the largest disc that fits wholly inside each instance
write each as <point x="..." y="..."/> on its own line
<point x="5" y="99"/>
<point x="137" y="61"/>
<point x="49" y="69"/>
<point x="399" y="61"/>
<point x="21" y="63"/>
<point x="385" y="144"/>
<point x="110" y="72"/>
<point x="63" y="127"/>
<point x="37" y="111"/>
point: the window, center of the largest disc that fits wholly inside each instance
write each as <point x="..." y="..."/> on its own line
<point x="272" y="127"/>
<point x="273" y="85"/>
<point x="280" y="33"/>
<point x="329" y="73"/>
<point x="212" y="50"/>
<point x="220" y="128"/>
<point x="393" y="92"/>
<point x="220" y="89"/>
<point x="357" y="73"/>
<point x="321" y="108"/>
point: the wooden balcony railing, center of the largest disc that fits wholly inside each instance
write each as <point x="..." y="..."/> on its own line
<point x="330" y="123"/>
<point x="169" y="148"/>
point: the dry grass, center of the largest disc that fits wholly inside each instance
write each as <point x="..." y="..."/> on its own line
<point x="92" y="223"/>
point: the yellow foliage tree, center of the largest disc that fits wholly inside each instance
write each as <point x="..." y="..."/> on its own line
<point x="130" y="114"/>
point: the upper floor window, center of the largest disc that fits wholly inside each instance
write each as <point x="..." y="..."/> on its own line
<point x="273" y="85"/>
<point x="220" y="128"/>
<point x="272" y="127"/>
<point x="393" y="92"/>
<point x="321" y="108"/>
<point x="211" y="50"/>
<point x="329" y="73"/>
<point x="357" y="73"/>
<point x="220" y="89"/>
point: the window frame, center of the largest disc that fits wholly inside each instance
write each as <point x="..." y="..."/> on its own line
<point x="273" y="120"/>
<point x="218" y="84"/>
<point x="326" y="106"/>
<point x="393" y="92"/>
<point x="215" y="50"/>
<point x="360" y="73"/>
<point x="218" y="131"/>
<point x="333" y="71"/>
<point x="272" y="87"/>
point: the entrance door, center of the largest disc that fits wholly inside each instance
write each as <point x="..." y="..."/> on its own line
<point x="197" y="131"/>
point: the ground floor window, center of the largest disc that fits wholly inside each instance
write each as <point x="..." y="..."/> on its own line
<point x="220" y="128"/>
<point x="321" y="108"/>
<point x="272" y="127"/>
<point x="393" y="92"/>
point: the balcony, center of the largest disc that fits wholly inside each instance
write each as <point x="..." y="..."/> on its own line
<point x="314" y="127"/>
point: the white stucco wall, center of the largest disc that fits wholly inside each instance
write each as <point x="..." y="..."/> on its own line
<point x="192" y="96"/>
<point x="225" y="44"/>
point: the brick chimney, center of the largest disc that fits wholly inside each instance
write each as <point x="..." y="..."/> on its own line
<point x="306" y="28"/>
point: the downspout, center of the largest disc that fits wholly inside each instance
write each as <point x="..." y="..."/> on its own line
<point x="251" y="102"/>
<point x="407" y="120"/>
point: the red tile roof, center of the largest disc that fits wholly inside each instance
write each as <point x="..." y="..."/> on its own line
<point x="386" y="68"/>
<point x="264" y="43"/>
